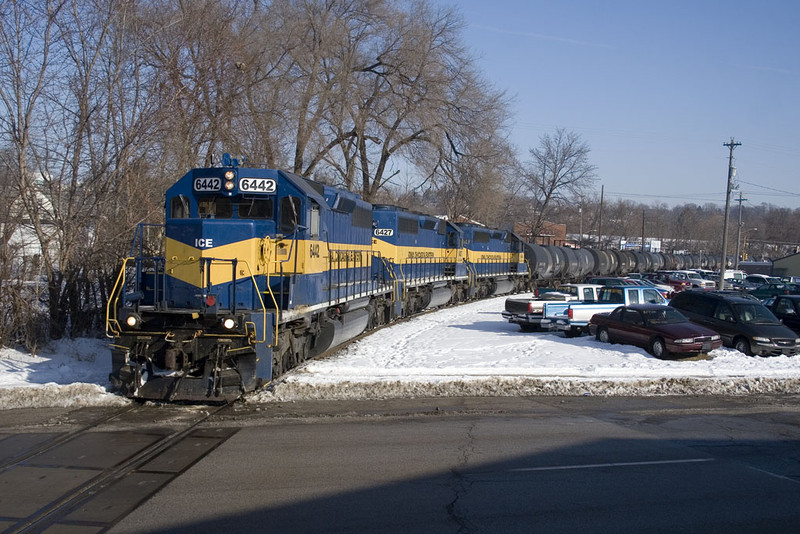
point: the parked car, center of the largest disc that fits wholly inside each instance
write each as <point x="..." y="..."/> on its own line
<point x="574" y="319"/>
<point x="743" y="323"/>
<point x="609" y="281"/>
<point x="787" y="309"/>
<point x="664" y="289"/>
<point x="528" y="312"/>
<point x="765" y="291"/>
<point x="760" y="279"/>
<point x="660" y="329"/>
<point x="664" y="277"/>
<point x="694" y="279"/>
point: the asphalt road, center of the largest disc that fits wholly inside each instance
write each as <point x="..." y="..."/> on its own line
<point x="572" y="464"/>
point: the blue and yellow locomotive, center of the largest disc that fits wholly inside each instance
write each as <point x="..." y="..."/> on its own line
<point x="262" y="269"/>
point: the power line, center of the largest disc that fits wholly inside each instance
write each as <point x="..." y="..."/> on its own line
<point x="771" y="189"/>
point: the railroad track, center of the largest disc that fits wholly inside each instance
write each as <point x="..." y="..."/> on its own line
<point x="93" y="476"/>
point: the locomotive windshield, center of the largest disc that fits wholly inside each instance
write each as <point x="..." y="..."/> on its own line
<point x="223" y="208"/>
<point x="215" y="208"/>
<point x="255" y="208"/>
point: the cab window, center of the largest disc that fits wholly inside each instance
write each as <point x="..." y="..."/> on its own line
<point x="289" y="214"/>
<point x="255" y="208"/>
<point x="215" y="208"/>
<point x="314" y="222"/>
<point x="179" y="207"/>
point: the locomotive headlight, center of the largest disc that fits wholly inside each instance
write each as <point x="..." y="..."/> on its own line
<point x="229" y="181"/>
<point x="229" y="323"/>
<point x="133" y="320"/>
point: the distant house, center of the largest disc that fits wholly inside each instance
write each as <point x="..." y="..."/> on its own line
<point x="551" y="234"/>
<point x="787" y="266"/>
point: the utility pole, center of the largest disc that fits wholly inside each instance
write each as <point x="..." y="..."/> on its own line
<point x="600" y="222"/>
<point x="724" y="266"/>
<point x="739" y="231"/>
<point x="642" y="231"/>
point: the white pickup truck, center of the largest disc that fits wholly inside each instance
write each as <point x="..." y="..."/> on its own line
<point x="575" y="318"/>
<point x="529" y="312"/>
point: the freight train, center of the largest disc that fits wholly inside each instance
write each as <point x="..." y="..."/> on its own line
<point x="262" y="269"/>
<point x="259" y="270"/>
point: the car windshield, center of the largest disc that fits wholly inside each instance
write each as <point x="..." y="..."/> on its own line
<point x="754" y="313"/>
<point x="663" y="316"/>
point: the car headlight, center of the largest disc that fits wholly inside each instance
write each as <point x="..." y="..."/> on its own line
<point x="715" y="337"/>
<point x="684" y="340"/>
<point x="762" y="339"/>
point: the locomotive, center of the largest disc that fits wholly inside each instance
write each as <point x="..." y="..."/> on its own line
<point x="261" y="269"/>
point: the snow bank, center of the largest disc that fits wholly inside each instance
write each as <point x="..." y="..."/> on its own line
<point x="67" y="373"/>
<point x="471" y="350"/>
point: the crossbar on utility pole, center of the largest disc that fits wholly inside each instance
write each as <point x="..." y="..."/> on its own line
<point x="724" y="266"/>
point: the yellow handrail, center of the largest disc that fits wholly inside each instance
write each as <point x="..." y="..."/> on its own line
<point x="113" y="328"/>
<point x="263" y="307"/>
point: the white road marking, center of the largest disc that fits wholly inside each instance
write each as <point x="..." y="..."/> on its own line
<point x="613" y="464"/>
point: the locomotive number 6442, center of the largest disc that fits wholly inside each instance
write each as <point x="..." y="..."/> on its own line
<point x="257" y="185"/>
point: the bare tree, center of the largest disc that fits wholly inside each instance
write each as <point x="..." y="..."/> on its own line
<point x="560" y="169"/>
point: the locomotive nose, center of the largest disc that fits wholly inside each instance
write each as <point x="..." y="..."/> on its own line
<point x="203" y="257"/>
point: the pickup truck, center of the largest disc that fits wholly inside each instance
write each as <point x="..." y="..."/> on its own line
<point x="528" y="313"/>
<point x="574" y="320"/>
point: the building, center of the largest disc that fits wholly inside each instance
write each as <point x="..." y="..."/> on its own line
<point x="551" y="234"/>
<point x="786" y="266"/>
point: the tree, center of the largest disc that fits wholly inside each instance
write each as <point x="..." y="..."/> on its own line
<point x="560" y="169"/>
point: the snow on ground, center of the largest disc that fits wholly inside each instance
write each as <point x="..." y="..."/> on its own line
<point x="65" y="373"/>
<point x="469" y="350"/>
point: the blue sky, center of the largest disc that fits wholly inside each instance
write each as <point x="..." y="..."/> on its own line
<point x="654" y="88"/>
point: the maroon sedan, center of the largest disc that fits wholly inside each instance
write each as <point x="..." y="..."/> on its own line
<point x="660" y="329"/>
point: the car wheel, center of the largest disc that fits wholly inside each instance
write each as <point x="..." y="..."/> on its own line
<point x="602" y="335"/>
<point x="658" y="348"/>
<point x="742" y="345"/>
